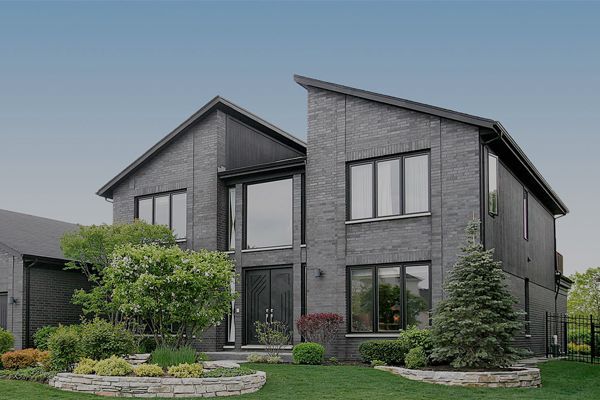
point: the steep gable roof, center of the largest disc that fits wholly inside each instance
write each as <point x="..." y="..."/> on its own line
<point x="24" y="234"/>
<point x="217" y="103"/>
<point x="552" y="200"/>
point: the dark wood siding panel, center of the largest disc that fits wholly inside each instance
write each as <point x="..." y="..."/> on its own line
<point x="533" y="258"/>
<point x="247" y="146"/>
<point x="3" y="310"/>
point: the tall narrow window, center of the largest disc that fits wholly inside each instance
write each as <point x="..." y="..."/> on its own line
<point x="231" y="218"/>
<point x="269" y="214"/>
<point x="168" y="209"/>
<point x="416" y="184"/>
<point x="361" y="299"/>
<point x="388" y="188"/>
<point x="527" y="318"/>
<point x="361" y="186"/>
<point x="389" y="282"/>
<point x="418" y="295"/>
<point x="525" y="215"/>
<point x="492" y="184"/>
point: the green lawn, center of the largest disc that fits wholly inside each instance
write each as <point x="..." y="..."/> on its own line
<point x="561" y="379"/>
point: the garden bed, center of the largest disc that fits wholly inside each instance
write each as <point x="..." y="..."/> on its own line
<point x="513" y="377"/>
<point x="131" y="386"/>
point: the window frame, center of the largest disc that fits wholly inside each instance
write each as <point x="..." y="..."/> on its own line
<point x="375" y="279"/>
<point x="490" y="211"/>
<point x="245" y="212"/>
<point x="374" y="194"/>
<point x="229" y="203"/>
<point x="153" y="196"/>
<point x="525" y="214"/>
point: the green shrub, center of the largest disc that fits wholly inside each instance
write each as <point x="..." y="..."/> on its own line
<point x="186" y="370"/>
<point x="145" y="344"/>
<point x="41" y="336"/>
<point x="575" y="348"/>
<point x="227" y="372"/>
<point x="274" y="360"/>
<point x="333" y="361"/>
<point x="85" y="366"/>
<point x="148" y="370"/>
<point x="308" y="353"/>
<point x="391" y="352"/>
<point x="167" y="357"/>
<point x="113" y="366"/>
<point x="201" y="357"/>
<point x="65" y="348"/>
<point x="7" y="341"/>
<point x="413" y="337"/>
<point x="377" y="363"/>
<point x="416" y="358"/>
<point x="100" y="339"/>
<point x="33" y="374"/>
<point x="256" y="358"/>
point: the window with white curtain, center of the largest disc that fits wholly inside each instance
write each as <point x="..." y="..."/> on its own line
<point x="389" y="187"/>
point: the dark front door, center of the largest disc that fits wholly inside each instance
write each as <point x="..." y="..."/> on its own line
<point x="3" y="310"/>
<point x="268" y="298"/>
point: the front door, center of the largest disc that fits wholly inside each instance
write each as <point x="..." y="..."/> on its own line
<point x="267" y="298"/>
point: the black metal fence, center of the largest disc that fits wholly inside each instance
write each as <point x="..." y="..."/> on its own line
<point x="573" y="337"/>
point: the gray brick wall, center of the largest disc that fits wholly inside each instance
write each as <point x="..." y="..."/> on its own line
<point x="11" y="282"/>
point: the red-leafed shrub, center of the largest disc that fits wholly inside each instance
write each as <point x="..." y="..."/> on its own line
<point x="319" y="327"/>
<point x="23" y="358"/>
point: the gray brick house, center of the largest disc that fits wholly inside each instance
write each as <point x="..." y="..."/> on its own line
<point x="35" y="290"/>
<point x="364" y="220"/>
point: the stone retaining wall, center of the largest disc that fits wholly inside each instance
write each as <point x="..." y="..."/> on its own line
<point x="522" y="377"/>
<point x="132" y="386"/>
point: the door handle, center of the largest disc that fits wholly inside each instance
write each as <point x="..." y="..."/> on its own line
<point x="271" y="315"/>
<point x="267" y="316"/>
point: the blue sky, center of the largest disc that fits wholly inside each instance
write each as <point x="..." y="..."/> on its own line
<point x="86" y="87"/>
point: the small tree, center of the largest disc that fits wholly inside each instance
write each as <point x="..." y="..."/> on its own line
<point x="91" y="248"/>
<point x="584" y="296"/>
<point x="169" y="287"/>
<point x="474" y="326"/>
<point x="272" y="335"/>
<point x="319" y="327"/>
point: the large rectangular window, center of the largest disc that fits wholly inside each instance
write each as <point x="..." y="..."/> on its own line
<point x="269" y="214"/>
<point x="389" y="187"/>
<point x="525" y="215"/>
<point x="231" y="217"/>
<point x="492" y="184"/>
<point x="168" y="209"/>
<point x="388" y="298"/>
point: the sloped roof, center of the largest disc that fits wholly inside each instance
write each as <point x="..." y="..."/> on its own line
<point x="24" y="234"/>
<point x="217" y="103"/>
<point x="555" y="203"/>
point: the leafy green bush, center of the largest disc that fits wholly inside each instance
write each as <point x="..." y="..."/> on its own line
<point x="113" y="366"/>
<point x="575" y="348"/>
<point x="33" y="374"/>
<point x="274" y="360"/>
<point x="333" y="361"/>
<point x="85" y="366"/>
<point x="41" y="336"/>
<point x="256" y="358"/>
<point x="201" y="357"/>
<point x="100" y="339"/>
<point x="65" y="348"/>
<point x="391" y="352"/>
<point x="416" y="358"/>
<point x="148" y="370"/>
<point x="227" y="372"/>
<point x="377" y="363"/>
<point x="167" y="357"/>
<point x="308" y="353"/>
<point x="146" y="344"/>
<point x="413" y="337"/>
<point x="7" y="341"/>
<point x="186" y="370"/>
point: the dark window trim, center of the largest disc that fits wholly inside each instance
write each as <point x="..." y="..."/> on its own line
<point x="153" y="196"/>
<point x="245" y="209"/>
<point x="403" y="293"/>
<point x="525" y="214"/>
<point x="229" y="219"/>
<point x="527" y="316"/>
<point x="302" y="208"/>
<point x="374" y="167"/>
<point x="490" y="212"/>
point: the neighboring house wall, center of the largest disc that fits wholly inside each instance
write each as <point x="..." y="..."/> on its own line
<point x="532" y="259"/>
<point x="344" y="128"/>
<point x="11" y="282"/>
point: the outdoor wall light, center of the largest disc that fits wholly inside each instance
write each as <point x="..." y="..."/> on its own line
<point x="319" y="273"/>
<point x="13" y="300"/>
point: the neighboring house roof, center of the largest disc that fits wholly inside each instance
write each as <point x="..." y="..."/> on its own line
<point x="216" y="103"/>
<point x="24" y="234"/>
<point x="558" y="207"/>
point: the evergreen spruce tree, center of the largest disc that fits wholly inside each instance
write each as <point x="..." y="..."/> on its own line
<point x="474" y="325"/>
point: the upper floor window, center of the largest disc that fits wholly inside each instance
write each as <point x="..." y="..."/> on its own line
<point x="388" y="187"/>
<point x="492" y="184"/>
<point x="525" y="215"/>
<point x="269" y="214"/>
<point x="167" y="209"/>
<point x="389" y="298"/>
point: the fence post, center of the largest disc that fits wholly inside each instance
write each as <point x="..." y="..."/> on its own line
<point x="592" y="339"/>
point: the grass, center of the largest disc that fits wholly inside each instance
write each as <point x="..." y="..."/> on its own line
<point x="166" y="357"/>
<point x="561" y="379"/>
